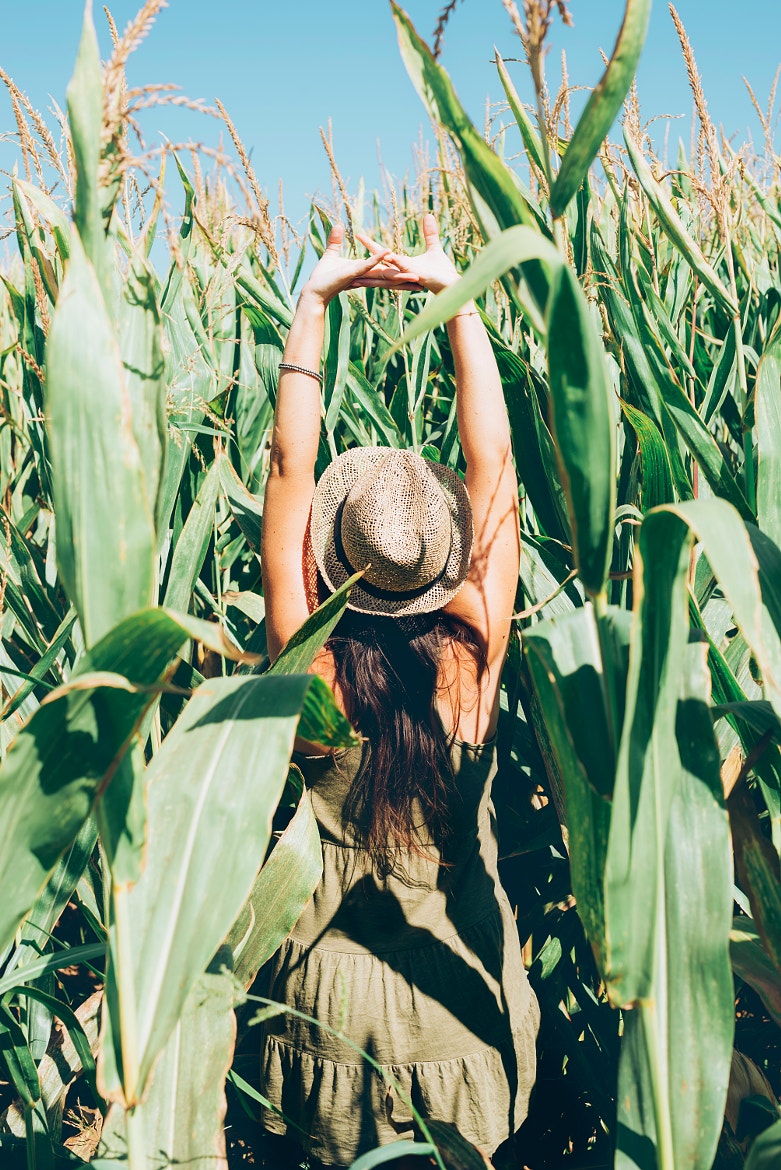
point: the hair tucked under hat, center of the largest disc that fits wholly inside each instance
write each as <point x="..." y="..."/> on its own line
<point x="406" y="520"/>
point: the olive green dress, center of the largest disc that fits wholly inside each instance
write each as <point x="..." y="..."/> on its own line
<point x="422" y="970"/>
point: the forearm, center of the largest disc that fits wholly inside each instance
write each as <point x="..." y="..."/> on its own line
<point x="296" y="431"/>
<point x="482" y="416"/>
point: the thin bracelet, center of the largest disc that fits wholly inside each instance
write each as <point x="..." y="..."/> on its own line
<point x="301" y="370"/>
<point x="468" y="313"/>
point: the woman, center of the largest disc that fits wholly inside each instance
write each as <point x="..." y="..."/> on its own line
<point x="408" y="947"/>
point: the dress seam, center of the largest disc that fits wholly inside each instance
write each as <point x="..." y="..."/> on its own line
<point x="487" y="1049"/>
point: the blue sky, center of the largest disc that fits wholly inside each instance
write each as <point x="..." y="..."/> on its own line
<point x="283" y="69"/>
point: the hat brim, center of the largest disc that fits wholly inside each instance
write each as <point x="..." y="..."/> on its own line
<point x="330" y="493"/>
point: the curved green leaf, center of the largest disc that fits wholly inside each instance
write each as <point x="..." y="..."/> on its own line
<point x="281" y="891"/>
<point x="668" y="893"/>
<point x="752" y="963"/>
<point x="17" y="1058"/>
<point x="566" y="665"/>
<point x="390" y="1153"/>
<point x="531" y="139"/>
<point x="674" y="227"/>
<point x="583" y="427"/>
<point x="50" y="213"/>
<point x="190" y="549"/>
<point x="217" y="777"/>
<point x="182" y="1117"/>
<point x="143" y="364"/>
<point x="493" y="185"/>
<point x="602" y="106"/>
<point x="657" y="477"/>
<point x="488" y="174"/>
<point x="299" y="653"/>
<point x="765" y="1152"/>
<point x="514" y="247"/>
<point x="62" y="759"/>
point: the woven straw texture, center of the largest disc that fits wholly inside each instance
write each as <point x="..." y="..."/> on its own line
<point x="407" y="518"/>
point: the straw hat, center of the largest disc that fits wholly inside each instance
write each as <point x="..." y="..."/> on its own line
<point x="407" y="518"/>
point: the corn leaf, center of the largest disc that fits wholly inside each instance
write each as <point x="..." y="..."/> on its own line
<point x="105" y="521"/>
<point x="247" y="509"/>
<point x="514" y="247"/>
<point x="656" y="473"/>
<point x="765" y="1150"/>
<point x="768" y="412"/>
<point x="299" y="653"/>
<point x="602" y="107"/>
<point x="141" y="347"/>
<point x="64" y="756"/>
<point x="675" y="229"/>
<point x="280" y="892"/>
<point x="647" y="772"/>
<point x="190" y="549"/>
<point x="671" y="1069"/>
<point x="181" y="1120"/>
<point x="757" y="866"/>
<point x="533" y="447"/>
<point x="85" y="115"/>
<point x="531" y="139"/>
<point x="667" y="877"/>
<point x="566" y="666"/>
<point x="169" y="924"/>
<point x="491" y="181"/>
<point x="583" y="428"/>
<point x="751" y="963"/>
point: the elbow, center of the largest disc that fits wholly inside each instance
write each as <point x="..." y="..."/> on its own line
<point x="283" y="464"/>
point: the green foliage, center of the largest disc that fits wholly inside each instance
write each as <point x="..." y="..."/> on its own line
<point x="636" y="328"/>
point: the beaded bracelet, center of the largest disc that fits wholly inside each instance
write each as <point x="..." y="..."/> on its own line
<point x="301" y="370"/>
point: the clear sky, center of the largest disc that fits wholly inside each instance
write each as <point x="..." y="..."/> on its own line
<point x="284" y="67"/>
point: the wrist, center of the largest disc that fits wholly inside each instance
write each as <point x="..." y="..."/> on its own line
<point x="470" y="309"/>
<point x="311" y="302"/>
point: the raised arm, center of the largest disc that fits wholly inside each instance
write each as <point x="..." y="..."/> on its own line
<point x="486" y="600"/>
<point x="294" y="441"/>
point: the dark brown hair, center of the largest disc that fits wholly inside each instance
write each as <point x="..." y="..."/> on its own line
<point x="387" y="670"/>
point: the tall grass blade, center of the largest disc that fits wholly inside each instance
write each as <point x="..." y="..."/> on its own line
<point x="492" y="183"/>
<point x="281" y="891"/>
<point x="516" y="247"/>
<point x="668" y="894"/>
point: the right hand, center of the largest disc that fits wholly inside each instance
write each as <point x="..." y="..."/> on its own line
<point x="432" y="270"/>
<point x="334" y="274"/>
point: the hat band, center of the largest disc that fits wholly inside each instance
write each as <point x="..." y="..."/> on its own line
<point x="374" y="590"/>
